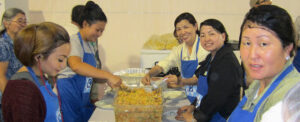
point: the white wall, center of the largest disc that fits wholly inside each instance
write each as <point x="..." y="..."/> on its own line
<point x="132" y="22"/>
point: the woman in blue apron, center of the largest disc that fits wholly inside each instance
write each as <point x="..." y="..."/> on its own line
<point x="186" y="56"/>
<point x="74" y="83"/>
<point x="265" y="50"/>
<point x="219" y="77"/>
<point x="188" y="68"/>
<point x="48" y="46"/>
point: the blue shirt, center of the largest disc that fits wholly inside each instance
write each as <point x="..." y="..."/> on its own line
<point x="7" y="55"/>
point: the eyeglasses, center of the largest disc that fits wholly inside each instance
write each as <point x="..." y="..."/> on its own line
<point x="20" y="22"/>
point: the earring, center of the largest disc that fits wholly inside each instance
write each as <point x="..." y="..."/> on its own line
<point x="287" y="58"/>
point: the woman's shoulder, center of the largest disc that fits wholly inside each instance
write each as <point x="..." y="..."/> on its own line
<point x="2" y="40"/>
<point x="76" y="48"/>
<point x="285" y="85"/>
<point x="24" y="83"/>
<point x="74" y="37"/>
<point x="177" y="49"/>
<point x="289" y="81"/>
<point x="226" y="54"/>
<point x="24" y="75"/>
<point x="281" y="90"/>
<point x="21" y="82"/>
<point x="25" y="96"/>
<point x="5" y="45"/>
<point x="226" y="49"/>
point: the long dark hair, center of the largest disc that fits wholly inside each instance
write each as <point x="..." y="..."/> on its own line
<point x="76" y="13"/>
<point x="92" y="13"/>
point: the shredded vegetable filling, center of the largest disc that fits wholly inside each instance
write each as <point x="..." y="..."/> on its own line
<point x="138" y="105"/>
<point x="139" y="96"/>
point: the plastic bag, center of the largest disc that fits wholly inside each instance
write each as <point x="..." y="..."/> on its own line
<point x="161" y="42"/>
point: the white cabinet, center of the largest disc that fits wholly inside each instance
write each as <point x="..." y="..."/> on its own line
<point x="149" y="57"/>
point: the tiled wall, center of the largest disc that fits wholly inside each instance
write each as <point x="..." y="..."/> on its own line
<point x="132" y="22"/>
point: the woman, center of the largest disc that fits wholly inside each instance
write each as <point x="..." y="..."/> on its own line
<point x="74" y="83"/>
<point x="219" y="77"/>
<point x="98" y="86"/>
<point x="13" y="21"/>
<point x="43" y="49"/>
<point x="186" y="56"/>
<point x="267" y="42"/>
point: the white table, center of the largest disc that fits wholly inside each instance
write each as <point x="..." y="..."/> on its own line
<point x="101" y="115"/>
<point x="171" y="106"/>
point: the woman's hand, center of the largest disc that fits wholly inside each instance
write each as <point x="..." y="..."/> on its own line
<point x="146" y="79"/>
<point x="172" y="81"/>
<point x="114" y="81"/>
<point x="188" y="117"/>
<point x="184" y="110"/>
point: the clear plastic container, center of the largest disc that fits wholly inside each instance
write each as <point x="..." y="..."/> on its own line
<point x="132" y="76"/>
<point x="139" y="112"/>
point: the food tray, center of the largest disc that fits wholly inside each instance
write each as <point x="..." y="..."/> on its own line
<point x="132" y="76"/>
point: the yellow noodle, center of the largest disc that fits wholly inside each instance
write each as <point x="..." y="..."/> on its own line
<point x="138" y="96"/>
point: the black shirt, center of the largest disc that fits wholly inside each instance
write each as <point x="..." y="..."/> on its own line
<point x="224" y="80"/>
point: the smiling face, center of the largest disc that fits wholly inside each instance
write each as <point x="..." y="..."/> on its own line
<point x="94" y="31"/>
<point x="186" y="32"/>
<point x="56" y="61"/>
<point x="262" y="53"/>
<point x="16" y="24"/>
<point x="211" y="40"/>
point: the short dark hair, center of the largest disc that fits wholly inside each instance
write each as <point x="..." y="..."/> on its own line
<point x="92" y="13"/>
<point x="186" y="16"/>
<point x="217" y="25"/>
<point x="76" y="11"/>
<point x="276" y="19"/>
<point x="37" y="39"/>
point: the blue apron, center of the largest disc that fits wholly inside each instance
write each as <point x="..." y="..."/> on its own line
<point x="240" y="115"/>
<point x="202" y="89"/>
<point x="75" y="92"/>
<point x="53" y="113"/>
<point x="188" y="69"/>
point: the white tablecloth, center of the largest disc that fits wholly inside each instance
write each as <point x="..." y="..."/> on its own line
<point x="101" y="115"/>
